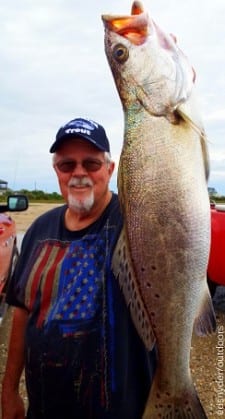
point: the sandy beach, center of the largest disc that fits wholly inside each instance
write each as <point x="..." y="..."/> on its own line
<point x="24" y="219"/>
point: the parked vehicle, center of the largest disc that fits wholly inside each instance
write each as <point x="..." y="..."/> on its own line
<point x="216" y="265"/>
<point x="8" y="243"/>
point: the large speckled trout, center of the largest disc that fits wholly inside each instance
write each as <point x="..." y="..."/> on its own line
<point x="162" y="254"/>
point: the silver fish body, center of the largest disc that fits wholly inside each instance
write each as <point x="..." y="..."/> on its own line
<point x="162" y="254"/>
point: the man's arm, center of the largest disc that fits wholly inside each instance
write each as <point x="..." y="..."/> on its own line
<point x="12" y="404"/>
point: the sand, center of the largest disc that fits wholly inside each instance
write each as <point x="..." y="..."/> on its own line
<point x="24" y="219"/>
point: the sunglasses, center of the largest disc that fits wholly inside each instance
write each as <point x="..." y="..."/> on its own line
<point x="90" y="165"/>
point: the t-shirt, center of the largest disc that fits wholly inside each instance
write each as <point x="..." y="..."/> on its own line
<point x="84" y="359"/>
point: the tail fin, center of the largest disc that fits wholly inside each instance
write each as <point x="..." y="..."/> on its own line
<point x="185" y="405"/>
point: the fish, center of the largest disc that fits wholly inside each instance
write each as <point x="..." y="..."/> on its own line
<point x="161" y="256"/>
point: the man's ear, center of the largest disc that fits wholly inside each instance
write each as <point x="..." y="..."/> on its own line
<point x="111" y="168"/>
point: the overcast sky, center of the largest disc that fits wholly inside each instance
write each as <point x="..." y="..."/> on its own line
<point x="53" y="68"/>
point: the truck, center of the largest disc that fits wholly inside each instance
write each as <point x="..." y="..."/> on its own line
<point x="216" y="264"/>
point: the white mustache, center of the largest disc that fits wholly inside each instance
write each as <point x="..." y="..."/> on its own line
<point x="76" y="181"/>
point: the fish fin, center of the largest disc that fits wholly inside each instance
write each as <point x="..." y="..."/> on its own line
<point x="178" y="406"/>
<point x="189" y="112"/>
<point x="205" y="322"/>
<point x="205" y="154"/>
<point x="123" y="270"/>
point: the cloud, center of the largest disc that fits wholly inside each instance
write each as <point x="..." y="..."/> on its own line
<point x="53" y="68"/>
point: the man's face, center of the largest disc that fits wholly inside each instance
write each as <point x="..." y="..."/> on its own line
<point x="83" y="174"/>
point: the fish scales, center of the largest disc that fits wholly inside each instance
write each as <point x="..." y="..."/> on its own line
<point x="161" y="256"/>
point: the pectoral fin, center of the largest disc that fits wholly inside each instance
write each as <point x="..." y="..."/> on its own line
<point x="189" y="112"/>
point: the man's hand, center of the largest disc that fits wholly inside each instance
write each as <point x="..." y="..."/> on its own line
<point x="12" y="406"/>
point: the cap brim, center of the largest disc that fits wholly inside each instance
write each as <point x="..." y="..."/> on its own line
<point x="62" y="139"/>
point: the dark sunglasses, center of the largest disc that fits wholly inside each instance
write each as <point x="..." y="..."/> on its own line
<point x="90" y="165"/>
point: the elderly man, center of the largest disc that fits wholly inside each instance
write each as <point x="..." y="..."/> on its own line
<point x="71" y="328"/>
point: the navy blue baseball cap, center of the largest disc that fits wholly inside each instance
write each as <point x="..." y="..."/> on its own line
<point x="82" y="128"/>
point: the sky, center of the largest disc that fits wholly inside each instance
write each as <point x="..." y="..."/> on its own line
<point x="53" y="68"/>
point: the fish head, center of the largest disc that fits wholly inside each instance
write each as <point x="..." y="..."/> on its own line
<point x="148" y="67"/>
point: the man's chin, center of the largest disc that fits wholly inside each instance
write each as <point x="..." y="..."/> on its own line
<point x="81" y="205"/>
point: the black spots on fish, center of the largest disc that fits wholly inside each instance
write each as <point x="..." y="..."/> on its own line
<point x="152" y="316"/>
<point x="121" y="266"/>
<point x="120" y="53"/>
<point x="142" y="269"/>
<point x="138" y="305"/>
<point x="152" y="320"/>
<point x="124" y="255"/>
<point x="189" y="410"/>
<point x="138" y="314"/>
<point x="157" y="296"/>
<point x="123" y="269"/>
<point x="188" y="407"/>
<point x="165" y="408"/>
<point x="153" y="267"/>
<point x="143" y="325"/>
<point x="148" y="285"/>
<point x="122" y="252"/>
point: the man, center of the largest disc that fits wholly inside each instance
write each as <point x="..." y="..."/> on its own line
<point x="71" y="328"/>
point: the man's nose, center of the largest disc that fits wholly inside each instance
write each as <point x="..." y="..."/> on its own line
<point x="79" y="170"/>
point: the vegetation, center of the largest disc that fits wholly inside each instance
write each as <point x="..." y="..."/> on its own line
<point x="218" y="199"/>
<point x="41" y="196"/>
<point x="34" y="196"/>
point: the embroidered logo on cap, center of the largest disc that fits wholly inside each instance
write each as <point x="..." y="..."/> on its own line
<point x="87" y="124"/>
<point x="77" y="130"/>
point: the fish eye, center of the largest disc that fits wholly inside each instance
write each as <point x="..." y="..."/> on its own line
<point x="120" y="53"/>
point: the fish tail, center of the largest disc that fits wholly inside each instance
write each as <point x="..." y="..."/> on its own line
<point x="166" y="406"/>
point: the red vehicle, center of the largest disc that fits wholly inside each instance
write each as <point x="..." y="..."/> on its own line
<point x="8" y="243"/>
<point x="216" y="265"/>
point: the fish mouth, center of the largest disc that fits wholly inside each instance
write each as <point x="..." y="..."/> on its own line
<point x="133" y="27"/>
